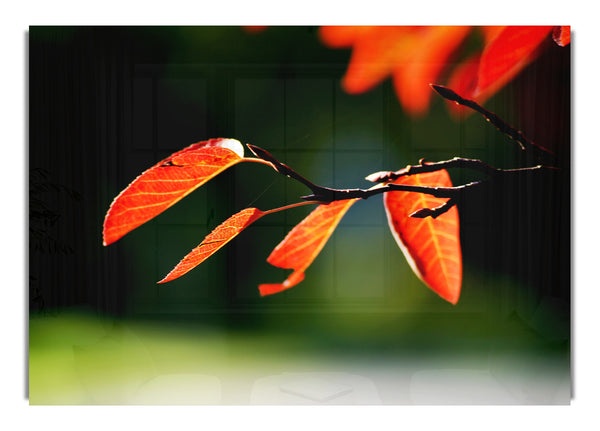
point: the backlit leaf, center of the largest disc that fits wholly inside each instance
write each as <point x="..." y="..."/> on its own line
<point x="304" y="242"/>
<point x="167" y="182"/>
<point x="507" y="54"/>
<point x="220" y="236"/>
<point x="431" y="246"/>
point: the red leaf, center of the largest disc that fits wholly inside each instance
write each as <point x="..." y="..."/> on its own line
<point x="431" y="246"/>
<point x="304" y="242"/>
<point x="167" y="182"/>
<point x="412" y="79"/>
<point x="506" y="54"/>
<point x="220" y="236"/>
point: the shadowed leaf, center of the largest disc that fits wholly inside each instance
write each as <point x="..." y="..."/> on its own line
<point x="431" y="246"/>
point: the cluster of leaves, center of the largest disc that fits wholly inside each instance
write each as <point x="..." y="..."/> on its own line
<point x="432" y="246"/>
<point x="414" y="56"/>
<point x="420" y="203"/>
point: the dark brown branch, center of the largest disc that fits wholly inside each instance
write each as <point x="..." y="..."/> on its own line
<point x="490" y="116"/>
<point x="323" y="194"/>
<point x="456" y="162"/>
<point x="280" y="167"/>
<point x="326" y="195"/>
<point x="434" y="212"/>
<point x="331" y="195"/>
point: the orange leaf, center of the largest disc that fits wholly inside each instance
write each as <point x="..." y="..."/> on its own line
<point x="167" y="182"/>
<point x="431" y="246"/>
<point x="304" y="242"/>
<point x="220" y="236"/>
<point x="491" y="31"/>
<point x="411" y="81"/>
<point x="507" y="54"/>
<point x="376" y="51"/>
<point x="341" y="36"/>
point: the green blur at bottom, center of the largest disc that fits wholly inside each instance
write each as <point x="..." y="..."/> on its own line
<point x="77" y="357"/>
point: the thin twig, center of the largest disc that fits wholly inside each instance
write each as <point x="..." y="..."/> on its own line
<point x="331" y="195"/>
<point x="456" y="162"/>
<point x="490" y="116"/>
<point x="280" y="167"/>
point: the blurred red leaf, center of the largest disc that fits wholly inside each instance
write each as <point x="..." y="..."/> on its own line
<point x="220" y="236"/>
<point x="375" y="52"/>
<point x="428" y="59"/>
<point x="506" y="54"/>
<point x="431" y="246"/>
<point x="304" y="242"/>
<point x="415" y="56"/>
<point x="167" y="182"/>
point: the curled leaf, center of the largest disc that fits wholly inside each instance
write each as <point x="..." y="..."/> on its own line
<point x="220" y="236"/>
<point x="304" y="242"/>
<point x="431" y="246"/>
<point x="167" y="182"/>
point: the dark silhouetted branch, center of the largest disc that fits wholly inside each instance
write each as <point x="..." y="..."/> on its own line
<point x="384" y="179"/>
<point x="490" y="116"/>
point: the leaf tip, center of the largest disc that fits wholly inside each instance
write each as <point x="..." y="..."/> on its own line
<point x="452" y="298"/>
<point x="270" y="289"/>
<point x="175" y="273"/>
<point x="107" y="240"/>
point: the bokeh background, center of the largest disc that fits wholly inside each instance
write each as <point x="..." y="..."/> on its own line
<point x="107" y="103"/>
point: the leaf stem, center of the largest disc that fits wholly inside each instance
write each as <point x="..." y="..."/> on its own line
<point x="287" y="207"/>
<point x="257" y="160"/>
